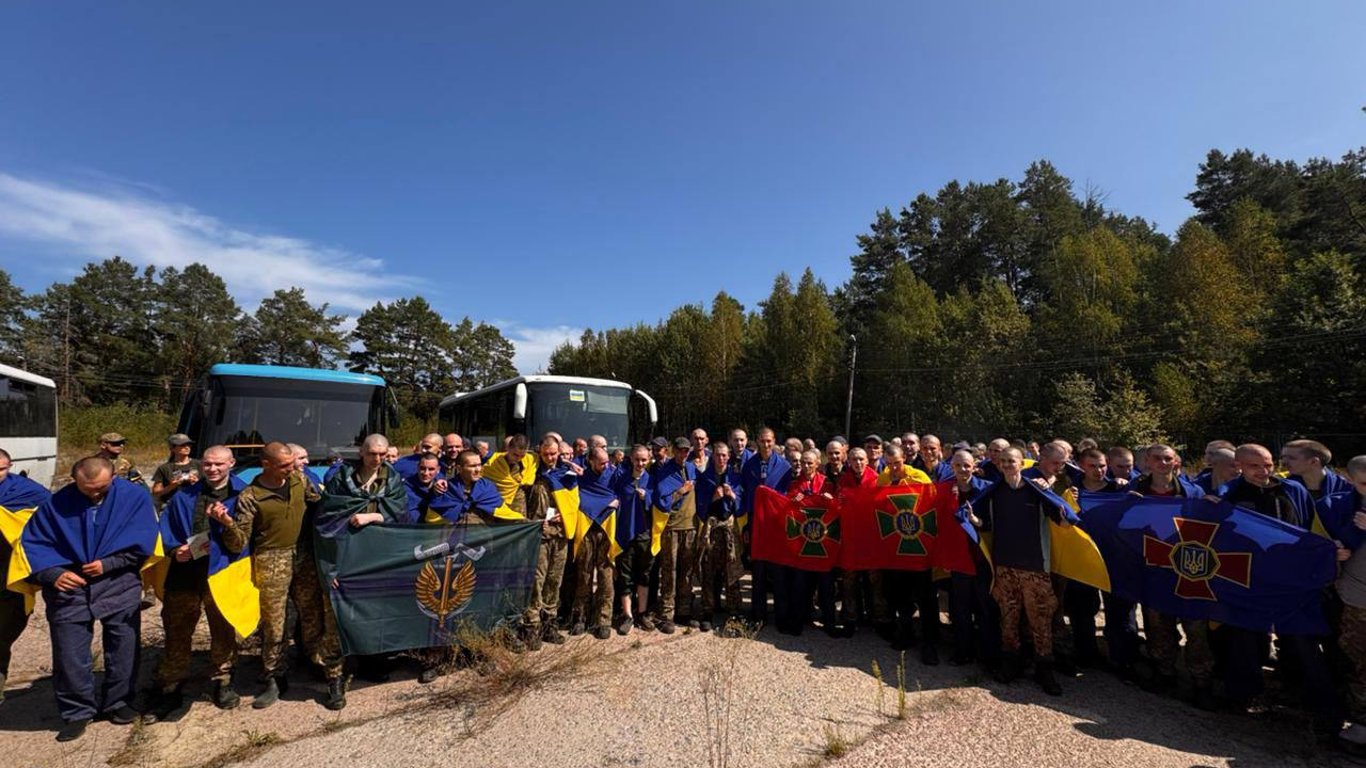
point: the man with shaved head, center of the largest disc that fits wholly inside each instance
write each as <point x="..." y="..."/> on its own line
<point x="1258" y="489"/>
<point x="269" y="518"/>
<point x="85" y="547"/>
<point x="406" y="467"/>
<point x="186" y="535"/>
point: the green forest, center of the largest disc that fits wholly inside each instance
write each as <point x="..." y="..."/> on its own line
<point x="1018" y="308"/>
<point x="126" y="341"/>
<point x="1022" y="308"/>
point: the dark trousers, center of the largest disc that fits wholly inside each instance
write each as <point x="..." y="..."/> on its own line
<point x="1247" y="651"/>
<point x="758" y="590"/>
<point x="1121" y="630"/>
<point x="1081" y="603"/>
<point x="976" y="621"/>
<point x="13" y="619"/>
<point x="909" y="591"/>
<point x="809" y="586"/>
<point x="73" y="675"/>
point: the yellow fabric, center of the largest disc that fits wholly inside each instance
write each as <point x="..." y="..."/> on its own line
<point x="496" y="470"/>
<point x="658" y="522"/>
<point x="1074" y="553"/>
<point x="11" y="527"/>
<point x="1028" y="463"/>
<point x="567" y="502"/>
<point x="909" y="474"/>
<point x="504" y="512"/>
<point x="154" y="568"/>
<point x="236" y="596"/>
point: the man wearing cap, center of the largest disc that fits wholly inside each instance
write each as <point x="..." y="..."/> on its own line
<point x="872" y="444"/>
<point x="179" y="471"/>
<point x="111" y="448"/>
<point x="674" y="499"/>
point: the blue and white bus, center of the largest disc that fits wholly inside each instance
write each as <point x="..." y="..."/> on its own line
<point x="28" y="423"/>
<point x="245" y="406"/>
<point x="573" y="406"/>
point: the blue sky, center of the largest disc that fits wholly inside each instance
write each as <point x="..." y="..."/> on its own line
<point x="611" y="160"/>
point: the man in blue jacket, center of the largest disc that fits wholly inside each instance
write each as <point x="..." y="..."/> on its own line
<point x="86" y="546"/>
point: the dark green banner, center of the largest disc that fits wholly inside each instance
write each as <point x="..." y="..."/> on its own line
<point x="416" y="586"/>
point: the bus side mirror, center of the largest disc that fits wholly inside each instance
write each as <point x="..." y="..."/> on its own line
<point x="519" y="403"/>
<point x="650" y="408"/>
<point x="391" y="406"/>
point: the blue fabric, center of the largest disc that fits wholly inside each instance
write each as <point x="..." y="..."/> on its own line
<point x="178" y="517"/>
<point x="774" y="473"/>
<point x="18" y="492"/>
<point x="1298" y="495"/>
<point x="482" y="498"/>
<point x="707" y="483"/>
<point x="597" y="491"/>
<point x="406" y="466"/>
<point x="1285" y="567"/>
<point x="668" y="480"/>
<point x="424" y="498"/>
<point x="633" y="518"/>
<point x="62" y="533"/>
<point x="1336" y="512"/>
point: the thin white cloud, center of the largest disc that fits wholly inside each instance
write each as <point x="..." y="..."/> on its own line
<point x="83" y="224"/>
<point x="534" y="345"/>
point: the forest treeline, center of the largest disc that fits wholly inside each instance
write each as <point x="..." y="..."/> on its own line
<point x="119" y="335"/>
<point x="1021" y="308"/>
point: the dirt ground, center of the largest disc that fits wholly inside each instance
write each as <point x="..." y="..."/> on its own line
<point x="653" y="700"/>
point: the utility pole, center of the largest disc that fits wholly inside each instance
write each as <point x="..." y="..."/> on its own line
<point x="849" y="404"/>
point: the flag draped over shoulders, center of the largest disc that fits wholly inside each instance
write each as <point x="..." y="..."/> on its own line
<point x="598" y="504"/>
<point x="230" y="574"/>
<point x="634" y="517"/>
<point x="19" y="497"/>
<point x="343" y="497"/>
<point x="61" y="533"/>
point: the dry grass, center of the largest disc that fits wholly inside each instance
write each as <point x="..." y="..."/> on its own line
<point x="716" y="683"/>
<point x="136" y="748"/>
<point x="836" y="745"/>
<point x="255" y="744"/>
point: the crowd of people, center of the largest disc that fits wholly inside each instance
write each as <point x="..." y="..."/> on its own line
<point x="680" y="509"/>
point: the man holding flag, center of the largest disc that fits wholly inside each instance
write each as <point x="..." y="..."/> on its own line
<point x="85" y="547"/>
<point x="595" y="546"/>
<point x="635" y="521"/>
<point x="719" y="493"/>
<point x="554" y="481"/>
<point x="1017" y="513"/>
<point x="898" y="594"/>
<point x="675" y="510"/>
<point x="192" y="541"/>
<point x="19" y="496"/>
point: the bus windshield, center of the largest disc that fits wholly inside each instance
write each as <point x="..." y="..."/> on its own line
<point x="578" y="410"/>
<point x="320" y="416"/>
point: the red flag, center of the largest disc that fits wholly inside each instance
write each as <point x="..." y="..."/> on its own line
<point x="905" y="527"/>
<point x="805" y="534"/>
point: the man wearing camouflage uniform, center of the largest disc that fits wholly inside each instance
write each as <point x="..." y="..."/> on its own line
<point x="593" y="549"/>
<point x="539" y="621"/>
<point x="111" y="447"/>
<point x="271" y="515"/>
<point x="718" y="501"/>
<point x="186" y="593"/>
<point x="674" y="497"/>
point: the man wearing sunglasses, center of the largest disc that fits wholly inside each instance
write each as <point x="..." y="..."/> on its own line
<point x="111" y="447"/>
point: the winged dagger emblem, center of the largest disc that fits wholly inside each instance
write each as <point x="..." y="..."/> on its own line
<point x="445" y="593"/>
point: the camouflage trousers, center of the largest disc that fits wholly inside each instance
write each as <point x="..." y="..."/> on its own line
<point x="545" y="591"/>
<point x="677" y="562"/>
<point x="1164" y="645"/>
<point x="13" y="619"/>
<point x="1352" y="642"/>
<point x="1028" y="594"/>
<point x="593" y="578"/>
<point x="180" y="611"/>
<point x="719" y="562"/>
<point x="291" y="572"/>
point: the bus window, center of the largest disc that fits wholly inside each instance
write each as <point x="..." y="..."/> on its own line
<point x="27" y="409"/>
<point x="576" y="410"/>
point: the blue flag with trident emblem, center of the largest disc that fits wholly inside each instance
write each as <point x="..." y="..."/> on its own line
<point x="398" y="587"/>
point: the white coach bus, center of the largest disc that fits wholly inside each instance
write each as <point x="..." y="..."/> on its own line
<point x="28" y="423"/>
<point x="570" y="405"/>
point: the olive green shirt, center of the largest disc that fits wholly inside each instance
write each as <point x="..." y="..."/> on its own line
<point x="270" y="518"/>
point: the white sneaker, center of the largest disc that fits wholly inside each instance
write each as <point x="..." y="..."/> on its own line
<point x="1355" y="733"/>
